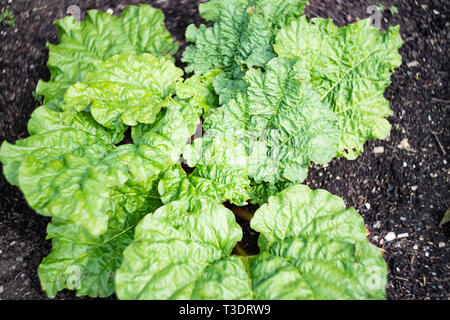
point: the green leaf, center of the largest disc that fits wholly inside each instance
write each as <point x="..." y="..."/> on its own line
<point x="350" y="67"/>
<point x="281" y="121"/>
<point x="83" y="45"/>
<point x="68" y="173"/>
<point x="126" y="89"/>
<point x="199" y="90"/>
<point x="44" y="119"/>
<point x="241" y="36"/>
<point x="260" y="192"/>
<point x="73" y="181"/>
<point x="86" y="263"/>
<point x="311" y="248"/>
<point x="67" y="139"/>
<point x="169" y="133"/>
<point x="314" y="248"/>
<point x="179" y="253"/>
<point x="445" y="219"/>
<point x="220" y="173"/>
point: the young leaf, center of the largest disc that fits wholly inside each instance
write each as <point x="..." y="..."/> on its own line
<point x="350" y="67"/>
<point x="220" y="173"/>
<point x="125" y="90"/>
<point x="281" y="121"/>
<point x="199" y="90"/>
<point x="83" y="45"/>
<point x="311" y="248"/>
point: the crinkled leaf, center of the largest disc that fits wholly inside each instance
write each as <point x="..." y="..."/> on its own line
<point x="180" y="253"/>
<point x="260" y="192"/>
<point x="282" y="122"/>
<point x="86" y="263"/>
<point x="44" y="119"/>
<point x="58" y="170"/>
<point x="241" y="36"/>
<point x="73" y="181"/>
<point x="350" y="67"/>
<point x="312" y="247"/>
<point x="126" y="89"/>
<point x="199" y="90"/>
<point x="67" y="139"/>
<point x="220" y="173"/>
<point x="83" y="45"/>
<point x="169" y="133"/>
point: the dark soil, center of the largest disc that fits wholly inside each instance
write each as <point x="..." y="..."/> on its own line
<point x="404" y="189"/>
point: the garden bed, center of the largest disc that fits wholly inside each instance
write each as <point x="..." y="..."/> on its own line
<point x="401" y="188"/>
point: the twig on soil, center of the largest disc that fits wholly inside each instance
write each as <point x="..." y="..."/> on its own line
<point x="400" y="278"/>
<point x="440" y="100"/>
<point x="439" y="142"/>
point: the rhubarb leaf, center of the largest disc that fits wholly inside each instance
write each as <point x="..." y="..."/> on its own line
<point x="180" y="252"/>
<point x="312" y="247"/>
<point x="199" y="90"/>
<point x="44" y="119"/>
<point x="83" y="45"/>
<point x="281" y="121"/>
<point x="241" y="36"/>
<point x="220" y="173"/>
<point x="86" y="263"/>
<point x="126" y="89"/>
<point x="57" y="170"/>
<point x="350" y="67"/>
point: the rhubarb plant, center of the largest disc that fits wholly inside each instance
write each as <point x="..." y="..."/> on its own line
<point x="138" y="165"/>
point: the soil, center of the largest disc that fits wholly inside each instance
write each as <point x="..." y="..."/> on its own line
<point x="403" y="189"/>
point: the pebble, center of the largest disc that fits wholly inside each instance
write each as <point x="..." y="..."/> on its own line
<point x="378" y="149"/>
<point x="367" y="205"/>
<point x="403" y="235"/>
<point x="377" y="224"/>
<point x="416" y="247"/>
<point x="110" y="11"/>
<point x="412" y="64"/>
<point x="390" y="236"/>
<point x="19" y="259"/>
<point x="403" y="218"/>
<point x="441" y="244"/>
<point x="405" y="164"/>
<point x="404" y="144"/>
<point x="414" y="188"/>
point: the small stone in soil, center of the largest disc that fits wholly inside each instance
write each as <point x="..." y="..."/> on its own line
<point x="390" y="236"/>
<point x="378" y="149"/>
